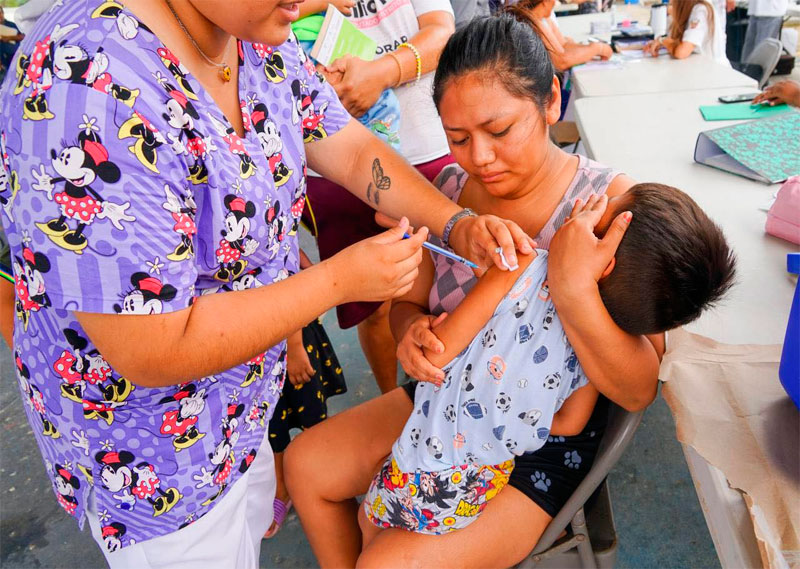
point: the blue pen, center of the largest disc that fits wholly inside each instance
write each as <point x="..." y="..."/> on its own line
<point x="446" y="253"/>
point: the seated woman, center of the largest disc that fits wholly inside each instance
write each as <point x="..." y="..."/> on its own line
<point x="564" y="52"/>
<point x="512" y="378"/>
<point x="695" y="29"/>
<point x="497" y="95"/>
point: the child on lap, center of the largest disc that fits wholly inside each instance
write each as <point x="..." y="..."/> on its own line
<point x="511" y="376"/>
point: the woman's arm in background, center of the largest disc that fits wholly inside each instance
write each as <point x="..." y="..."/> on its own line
<point x="362" y="82"/>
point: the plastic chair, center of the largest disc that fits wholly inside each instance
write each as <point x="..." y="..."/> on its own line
<point x="761" y="63"/>
<point x="591" y="539"/>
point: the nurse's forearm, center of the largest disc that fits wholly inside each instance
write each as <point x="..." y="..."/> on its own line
<point x="220" y="331"/>
<point x="216" y="333"/>
<point x="380" y="177"/>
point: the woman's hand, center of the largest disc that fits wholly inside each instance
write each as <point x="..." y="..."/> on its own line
<point x="360" y="84"/>
<point x="378" y="268"/>
<point x="409" y="349"/>
<point x="578" y="258"/>
<point x="298" y="366"/>
<point x="652" y="47"/>
<point x="786" y="91"/>
<point x="603" y="51"/>
<point x="344" y="6"/>
<point x="478" y="239"/>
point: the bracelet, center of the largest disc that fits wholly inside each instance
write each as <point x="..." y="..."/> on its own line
<point x="466" y="212"/>
<point x="399" y="67"/>
<point x="417" y="58"/>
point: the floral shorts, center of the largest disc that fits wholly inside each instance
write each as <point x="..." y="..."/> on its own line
<point x="432" y="502"/>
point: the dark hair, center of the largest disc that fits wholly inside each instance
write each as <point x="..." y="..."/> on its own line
<point x="672" y="263"/>
<point x="506" y="50"/>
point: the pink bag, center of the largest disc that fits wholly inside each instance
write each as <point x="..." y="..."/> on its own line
<point x="783" y="218"/>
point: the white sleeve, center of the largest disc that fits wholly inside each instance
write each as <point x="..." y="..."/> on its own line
<point x="424" y="6"/>
<point x="697" y="29"/>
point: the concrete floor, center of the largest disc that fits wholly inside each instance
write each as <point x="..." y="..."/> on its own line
<point x="659" y="521"/>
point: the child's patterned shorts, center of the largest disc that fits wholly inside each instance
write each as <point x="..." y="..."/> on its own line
<point x="432" y="502"/>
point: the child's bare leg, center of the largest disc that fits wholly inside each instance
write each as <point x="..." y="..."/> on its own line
<point x="368" y="530"/>
<point x="334" y="461"/>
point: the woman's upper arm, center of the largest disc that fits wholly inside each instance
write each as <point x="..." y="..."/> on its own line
<point x="437" y="19"/>
<point x="619" y="185"/>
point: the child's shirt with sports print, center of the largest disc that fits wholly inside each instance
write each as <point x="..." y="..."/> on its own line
<point x="499" y="395"/>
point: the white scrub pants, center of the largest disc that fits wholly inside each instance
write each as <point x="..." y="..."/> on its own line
<point x="229" y="536"/>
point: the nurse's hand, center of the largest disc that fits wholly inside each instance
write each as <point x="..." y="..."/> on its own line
<point x="379" y="268"/>
<point x="480" y="238"/>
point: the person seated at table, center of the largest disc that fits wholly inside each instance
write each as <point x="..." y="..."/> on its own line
<point x="493" y="405"/>
<point x="8" y="41"/>
<point x="786" y="91"/>
<point x="564" y="52"/>
<point x="694" y="29"/>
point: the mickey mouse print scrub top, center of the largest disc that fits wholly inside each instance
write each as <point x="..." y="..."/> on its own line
<point x="125" y="190"/>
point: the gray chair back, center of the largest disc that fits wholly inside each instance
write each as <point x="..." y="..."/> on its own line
<point x="619" y="433"/>
<point x="766" y="55"/>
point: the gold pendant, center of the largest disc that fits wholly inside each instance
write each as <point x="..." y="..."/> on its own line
<point x="225" y="73"/>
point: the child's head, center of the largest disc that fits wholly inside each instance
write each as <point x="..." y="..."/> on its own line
<point x="672" y="263"/>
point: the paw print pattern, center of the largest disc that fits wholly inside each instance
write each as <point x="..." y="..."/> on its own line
<point x="572" y="459"/>
<point x="556" y="439"/>
<point x="541" y="481"/>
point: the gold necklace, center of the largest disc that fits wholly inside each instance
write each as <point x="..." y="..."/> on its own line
<point x="224" y="68"/>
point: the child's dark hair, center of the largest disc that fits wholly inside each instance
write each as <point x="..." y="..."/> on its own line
<point x="672" y="263"/>
<point x="506" y="50"/>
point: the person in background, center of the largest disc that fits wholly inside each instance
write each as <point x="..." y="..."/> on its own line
<point x="8" y="41"/>
<point x="694" y="29"/>
<point x="587" y="6"/>
<point x="765" y="18"/>
<point x="721" y="9"/>
<point x="314" y="375"/>
<point x="410" y="37"/>
<point x="383" y="117"/>
<point x="466" y="10"/>
<point x="786" y="91"/>
<point x="564" y="52"/>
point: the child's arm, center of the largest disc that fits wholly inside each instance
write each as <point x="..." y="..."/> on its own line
<point x="460" y="327"/>
<point x="571" y="419"/>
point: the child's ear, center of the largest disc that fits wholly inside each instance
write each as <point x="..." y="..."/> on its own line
<point x="611" y="264"/>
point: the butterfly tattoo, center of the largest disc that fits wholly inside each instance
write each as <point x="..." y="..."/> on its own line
<point x="380" y="182"/>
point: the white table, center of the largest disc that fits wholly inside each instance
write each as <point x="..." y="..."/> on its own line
<point x="651" y="137"/>
<point x="657" y="75"/>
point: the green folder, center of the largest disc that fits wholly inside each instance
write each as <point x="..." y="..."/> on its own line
<point x="738" y="111"/>
<point x="338" y="36"/>
<point x="766" y="150"/>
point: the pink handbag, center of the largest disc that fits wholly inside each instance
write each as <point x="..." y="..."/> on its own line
<point x="783" y="218"/>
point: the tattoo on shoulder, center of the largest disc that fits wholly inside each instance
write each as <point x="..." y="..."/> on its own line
<point x="380" y="182"/>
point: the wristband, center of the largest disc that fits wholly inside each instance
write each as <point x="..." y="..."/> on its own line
<point x="417" y="58"/>
<point x="399" y="67"/>
<point x="466" y="212"/>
